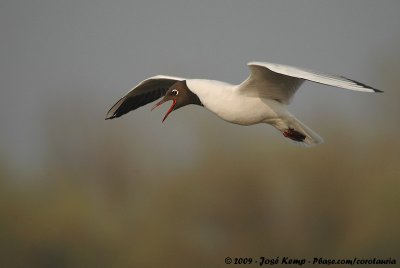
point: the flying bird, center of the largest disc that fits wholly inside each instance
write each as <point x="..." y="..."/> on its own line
<point x="262" y="98"/>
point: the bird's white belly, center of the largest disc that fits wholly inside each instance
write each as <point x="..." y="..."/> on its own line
<point x="245" y="110"/>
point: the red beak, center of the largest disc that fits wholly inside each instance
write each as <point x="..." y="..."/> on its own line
<point x="169" y="110"/>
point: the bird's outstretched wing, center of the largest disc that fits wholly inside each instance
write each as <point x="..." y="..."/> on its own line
<point x="280" y="82"/>
<point x="145" y="92"/>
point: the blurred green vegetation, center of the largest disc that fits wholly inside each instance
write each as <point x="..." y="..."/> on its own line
<point x="326" y="202"/>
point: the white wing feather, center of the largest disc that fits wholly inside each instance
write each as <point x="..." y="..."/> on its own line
<point x="278" y="81"/>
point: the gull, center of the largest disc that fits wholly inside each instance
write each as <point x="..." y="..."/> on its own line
<point x="262" y="98"/>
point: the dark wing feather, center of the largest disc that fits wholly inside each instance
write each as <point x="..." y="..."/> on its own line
<point x="147" y="91"/>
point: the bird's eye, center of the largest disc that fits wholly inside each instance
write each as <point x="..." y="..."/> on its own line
<point x="175" y="92"/>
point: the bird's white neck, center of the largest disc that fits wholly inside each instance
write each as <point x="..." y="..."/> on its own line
<point x="218" y="97"/>
<point x="211" y="92"/>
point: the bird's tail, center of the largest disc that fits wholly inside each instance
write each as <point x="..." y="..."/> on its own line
<point x="296" y="131"/>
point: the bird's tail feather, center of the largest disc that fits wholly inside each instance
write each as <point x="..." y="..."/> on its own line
<point x="296" y="131"/>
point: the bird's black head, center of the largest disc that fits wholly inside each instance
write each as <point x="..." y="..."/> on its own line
<point x="180" y="95"/>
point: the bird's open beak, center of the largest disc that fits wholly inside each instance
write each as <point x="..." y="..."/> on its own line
<point x="169" y="110"/>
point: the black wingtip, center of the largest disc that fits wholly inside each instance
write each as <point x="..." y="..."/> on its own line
<point x="108" y="117"/>
<point x="364" y="85"/>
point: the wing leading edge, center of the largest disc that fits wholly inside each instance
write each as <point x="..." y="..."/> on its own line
<point x="145" y="92"/>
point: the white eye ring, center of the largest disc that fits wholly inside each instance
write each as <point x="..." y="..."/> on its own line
<point x="175" y="92"/>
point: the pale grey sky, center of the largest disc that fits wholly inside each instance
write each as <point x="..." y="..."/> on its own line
<point x="62" y="55"/>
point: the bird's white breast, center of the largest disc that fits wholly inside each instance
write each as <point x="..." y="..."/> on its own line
<point x="224" y="100"/>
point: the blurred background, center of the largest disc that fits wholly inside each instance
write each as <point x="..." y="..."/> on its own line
<point x="79" y="191"/>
